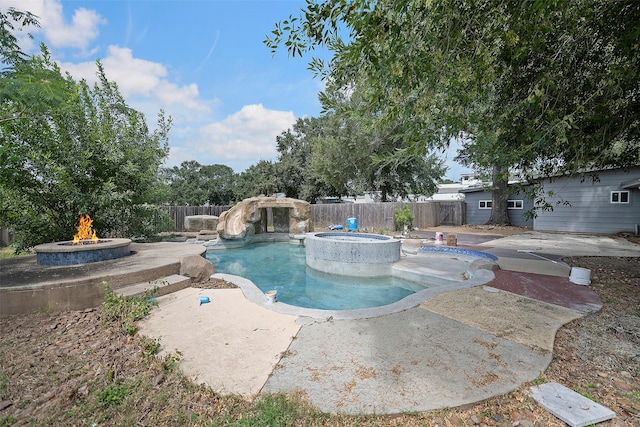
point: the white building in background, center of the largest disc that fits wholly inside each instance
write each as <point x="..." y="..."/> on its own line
<point x="470" y="180"/>
<point x="452" y="191"/>
<point x="446" y="192"/>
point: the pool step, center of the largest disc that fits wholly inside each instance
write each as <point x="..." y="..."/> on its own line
<point x="165" y="285"/>
<point x="435" y="270"/>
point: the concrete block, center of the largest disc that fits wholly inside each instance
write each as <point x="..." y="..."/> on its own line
<point x="200" y="222"/>
<point x="571" y="407"/>
<point x="452" y="240"/>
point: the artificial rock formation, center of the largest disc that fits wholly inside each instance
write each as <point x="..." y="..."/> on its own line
<point x="197" y="268"/>
<point x="258" y="214"/>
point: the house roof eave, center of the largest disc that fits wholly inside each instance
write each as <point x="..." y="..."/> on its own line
<point x="631" y="184"/>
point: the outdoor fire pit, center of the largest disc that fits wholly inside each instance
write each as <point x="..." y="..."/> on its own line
<point x="84" y="248"/>
<point x="66" y="253"/>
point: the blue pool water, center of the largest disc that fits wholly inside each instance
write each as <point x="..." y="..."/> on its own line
<point x="282" y="266"/>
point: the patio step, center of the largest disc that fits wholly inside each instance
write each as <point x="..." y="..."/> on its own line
<point x="165" y="285"/>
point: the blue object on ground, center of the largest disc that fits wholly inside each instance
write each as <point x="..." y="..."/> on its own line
<point x="204" y="300"/>
<point x="335" y="227"/>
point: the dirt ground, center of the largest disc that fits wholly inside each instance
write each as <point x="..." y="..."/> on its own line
<point x="54" y="368"/>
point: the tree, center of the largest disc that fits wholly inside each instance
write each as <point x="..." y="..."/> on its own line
<point x="541" y="88"/>
<point x="258" y="179"/>
<point x="352" y="160"/>
<point x="340" y="158"/>
<point x="74" y="150"/>
<point x="566" y="97"/>
<point x="293" y="169"/>
<point x="194" y="184"/>
<point x="10" y="21"/>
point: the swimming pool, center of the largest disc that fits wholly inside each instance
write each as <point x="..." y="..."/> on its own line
<point x="282" y="266"/>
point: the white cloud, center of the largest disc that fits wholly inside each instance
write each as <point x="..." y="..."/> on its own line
<point x="248" y="135"/>
<point x="136" y="78"/>
<point x="170" y="93"/>
<point x="177" y="155"/>
<point x="82" y="30"/>
<point x="139" y="78"/>
<point x="133" y="76"/>
<point x="79" y="33"/>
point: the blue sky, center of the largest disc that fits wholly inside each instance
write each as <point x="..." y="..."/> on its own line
<point x="203" y="62"/>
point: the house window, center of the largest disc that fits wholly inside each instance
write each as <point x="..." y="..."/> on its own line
<point x="619" y="197"/>
<point x="485" y="204"/>
<point x="515" y="204"/>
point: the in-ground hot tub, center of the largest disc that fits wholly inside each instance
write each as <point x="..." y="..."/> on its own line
<point x="66" y="253"/>
<point x="352" y="254"/>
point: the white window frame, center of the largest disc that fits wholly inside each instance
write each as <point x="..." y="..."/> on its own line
<point x="618" y="195"/>
<point x="485" y="204"/>
<point x="515" y="204"/>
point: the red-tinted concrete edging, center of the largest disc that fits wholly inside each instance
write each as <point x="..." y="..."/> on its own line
<point x="552" y="289"/>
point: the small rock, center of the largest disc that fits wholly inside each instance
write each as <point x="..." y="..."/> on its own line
<point x="475" y="420"/>
<point x="497" y="418"/>
<point x="83" y="391"/>
<point x="629" y="405"/>
<point x="5" y="404"/>
<point x="46" y="397"/>
<point x="523" y="423"/>
<point x="436" y="422"/>
<point x="159" y="379"/>
<point x="456" y="421"/>
<point x="622" y="385"/>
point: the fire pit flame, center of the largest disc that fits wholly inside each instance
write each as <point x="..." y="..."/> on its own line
<point x="86" y="233"/>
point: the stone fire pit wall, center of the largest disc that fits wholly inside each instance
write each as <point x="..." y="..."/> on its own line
<point x="65" y="253"/>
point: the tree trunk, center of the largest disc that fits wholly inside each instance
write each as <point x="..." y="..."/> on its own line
<point x="499" y="209"/>
<point x="383" y="193"/>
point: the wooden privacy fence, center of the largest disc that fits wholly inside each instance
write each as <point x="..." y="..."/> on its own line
<point x="452" y="212"/>
<point x="380" y="216"/>
<point x="371" y="216"/>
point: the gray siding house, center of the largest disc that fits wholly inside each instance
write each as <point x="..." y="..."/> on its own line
<point x="478" y="207"/>
<point x="608" y="205"/>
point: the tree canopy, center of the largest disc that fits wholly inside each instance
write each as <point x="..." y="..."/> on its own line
<point x="542" y="88"/>
<point x="68" y="148"/>
<point x="10" y="21"/>
<point x="194" y="184"/>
